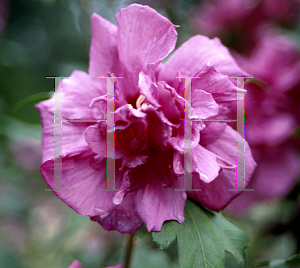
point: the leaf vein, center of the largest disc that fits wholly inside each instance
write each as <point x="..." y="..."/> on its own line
<point x="196" y="259"/>
<point x="198" y="235"/>
<point x="185" y="253"/>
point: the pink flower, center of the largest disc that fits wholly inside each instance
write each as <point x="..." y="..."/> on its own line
<point x="272" y="113"/>
<point x="149" y="125"/>
<point x="77" y="264"/>
<point x="243" y="18"/>
<point x="215" y="18"/>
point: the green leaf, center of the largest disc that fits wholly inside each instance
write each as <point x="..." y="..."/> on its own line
<point x="203" y="238"/>
<point x="293" y="261"/>
<point x="146" y="257"/>
<point x="260" y="264"/>
<point x="167" y="235"/>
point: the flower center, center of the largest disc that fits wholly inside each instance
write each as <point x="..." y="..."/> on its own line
<point x="139" y="103"/>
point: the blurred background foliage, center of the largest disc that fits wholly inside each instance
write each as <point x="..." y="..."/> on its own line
<point x="42" y="38"/>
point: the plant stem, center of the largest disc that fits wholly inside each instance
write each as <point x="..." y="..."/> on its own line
<point x="129" y="246"/>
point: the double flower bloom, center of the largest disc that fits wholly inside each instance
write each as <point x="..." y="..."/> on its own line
<point x="149" y="124"/>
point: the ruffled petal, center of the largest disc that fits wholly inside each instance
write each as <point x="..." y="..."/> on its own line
<point x="159" y="127"/>
<point x="204" y="162"/>
<point x="211" y="132"/>
<point x="168" y="104"/>
<point x="145" y="38"/>
<point x="177" y="139"/>
<point x="121" y="218"/>
<point x="103" y="52"/>
<point x="156" y="200"/>
<point x="220" y="86"/>
<point x="83" y="173"/>
<point x="204" y="105"/>
<point x="130" y="133"/>
<point x="153" y="185"/>
<point x="156" y="204"/>
<point x="77" y="93"/>
<point x="196" y="53"/>
<point x="132" y="161"/>
<point x="95" y="137"/>
<point x="171" y="103"/>
<point x="148" y="89"/>
<point x="215" y="195"/>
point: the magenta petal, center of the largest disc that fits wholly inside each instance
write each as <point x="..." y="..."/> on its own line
<point x="225" y="147"/>
<point x="204" y="162"/>
<point x="96" y="138"/>
<point x="132" y="161"/>
<point x="269" y="130"/>
<point x="177" y="139"/>
<point x="215" y="195"/>
<point x="98" y="107"/>
<point x="75" y="264"/>
<point x="121" y="218"/>
<point x="103" y="52"/>
<point x="275" y="176"/>
<point x="171" y="103"/>
<point x="130" y="140"/>
<point x="162" y="97"/>
<point x="130" y="131"/>
<point x="220" y="86"/>
<point x="211" y="132"/>
<point x="156" y="200"/>
<point x="159" y="126"/>
<point x="145" y="38"/>
<point x="148" y="89"/>
<point x="84" y="173"/>
<point x="196" y="53"/>
<point x="77" y="93"/>
<point x="116" y="266"/>
<point x="149" y="129"/>
<point x="275" y="59"/>
<point x="156" y="204"/>
<point x="203" y="104"/>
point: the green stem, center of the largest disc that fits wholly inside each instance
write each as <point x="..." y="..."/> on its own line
<point x="31" y="98"/>
<point x="129" y="246"/>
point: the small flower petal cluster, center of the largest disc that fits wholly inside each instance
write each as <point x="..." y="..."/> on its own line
<point x="149" y="124"/>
